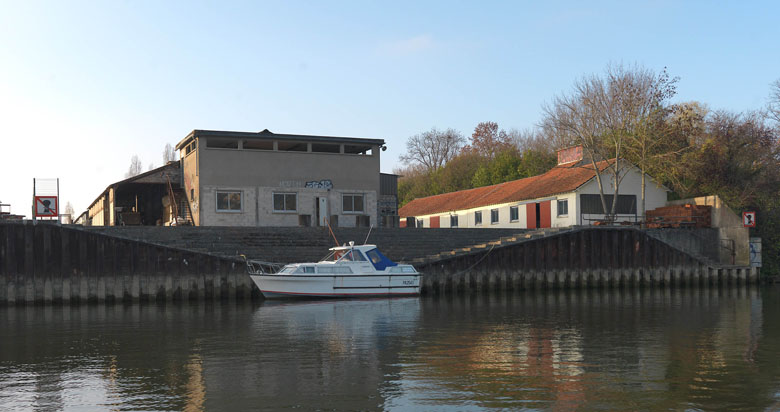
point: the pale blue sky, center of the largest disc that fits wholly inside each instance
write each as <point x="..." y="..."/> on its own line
<point x="85" y="85"/>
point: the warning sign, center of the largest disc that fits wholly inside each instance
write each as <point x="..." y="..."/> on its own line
<point x="749" y="219"/>
<point x="46" y="206"/>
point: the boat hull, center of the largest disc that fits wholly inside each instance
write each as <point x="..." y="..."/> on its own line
<point x="338" y="286"/>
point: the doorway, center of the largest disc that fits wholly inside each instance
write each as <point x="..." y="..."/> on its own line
<point x="321" y="210"/>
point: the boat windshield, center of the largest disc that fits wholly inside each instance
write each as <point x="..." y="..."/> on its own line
<point x="344" y="255"/>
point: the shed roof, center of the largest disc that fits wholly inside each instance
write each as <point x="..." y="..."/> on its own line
<point x="560" y="179"/>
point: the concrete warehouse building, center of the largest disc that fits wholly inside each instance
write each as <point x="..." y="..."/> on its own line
<point x="566" y="195"/>
<point x="268" y="179"/>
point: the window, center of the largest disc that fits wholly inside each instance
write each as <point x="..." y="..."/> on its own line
<point x="353" y="256"/>
<point x="287" y="146"/>
<point x="352" y="204"/>
<point x="258" y="145"/>
<point x="420" y="223"/>
<point x="228" y="201"/>
<point x="325" y="148"/>
<point x="340" y="269"/>
<point x="513" y="214"/>
<point x="285" y="202"/>
<point x="217" y="143"/>
<point x="373" y="255"/>
<point x="493" y="216"/>
<point x="563" y="207"/>
<point x="478" y="218"/>
<point x="453" y="220"/>
<point x="591" y="204"/>
<point x="358" y="149"/>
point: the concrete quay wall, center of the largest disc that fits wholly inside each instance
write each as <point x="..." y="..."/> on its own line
<point x="45" y="263"/>
<point x="583" y="258"/>
<point x="49" y="263"/>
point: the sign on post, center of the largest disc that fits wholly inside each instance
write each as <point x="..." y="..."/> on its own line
<point x="749" y="219"/>
<point x="46" y="206"/>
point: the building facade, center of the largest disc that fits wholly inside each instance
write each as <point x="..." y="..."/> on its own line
<point x="144" y="199"/>
<point x="268" y="179"/>
<point x="566" y="195"/>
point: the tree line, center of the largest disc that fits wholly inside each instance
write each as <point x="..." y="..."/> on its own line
<point x="625" y="113"/>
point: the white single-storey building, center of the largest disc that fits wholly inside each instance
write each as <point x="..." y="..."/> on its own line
<point x="566" y="195"/>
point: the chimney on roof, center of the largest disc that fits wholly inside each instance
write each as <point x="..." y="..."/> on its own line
<point x="570" y="155"/>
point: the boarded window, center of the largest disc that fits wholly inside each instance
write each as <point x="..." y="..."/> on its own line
<point x="591" y="204"/>
<point x="228" y="201"/>
<point x="216" y="143"/>
<point x="293" y="146"/>
<point x="352" y="203"/>
<point x="325" y="148"/>
<point x="285" y="202"/>
<point x="514" y="215"/>
<point x="258" y="145"/>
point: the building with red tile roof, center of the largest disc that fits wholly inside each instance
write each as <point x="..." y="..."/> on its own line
<point x="566" y="195"/>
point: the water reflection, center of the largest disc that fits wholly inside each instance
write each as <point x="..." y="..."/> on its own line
<point x="641" y="349"/>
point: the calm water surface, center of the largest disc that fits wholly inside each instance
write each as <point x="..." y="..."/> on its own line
<point x="703" y="349"/>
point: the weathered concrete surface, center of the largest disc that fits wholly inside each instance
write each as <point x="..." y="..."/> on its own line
<point x="48" y="263"/>
<point x="581" y="258"/>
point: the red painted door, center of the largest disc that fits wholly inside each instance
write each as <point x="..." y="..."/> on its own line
<point x="545" y="215"/>
<point x="435" y="221"/>
<point x="530" y="215"/>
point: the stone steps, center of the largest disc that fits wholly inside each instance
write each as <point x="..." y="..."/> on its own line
<point x="502" y="241"/>
<point x="298" y="244"/>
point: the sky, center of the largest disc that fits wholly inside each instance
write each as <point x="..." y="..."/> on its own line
<point x="84" y="86"/>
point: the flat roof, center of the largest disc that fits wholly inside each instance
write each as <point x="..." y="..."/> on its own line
<point x="268" y="135"/>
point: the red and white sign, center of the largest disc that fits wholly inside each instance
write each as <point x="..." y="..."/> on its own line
<point x="749" y="219"/>
<point x="46" y="206"/>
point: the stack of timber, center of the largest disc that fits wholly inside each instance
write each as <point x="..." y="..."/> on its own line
<point x="698" y="216"/>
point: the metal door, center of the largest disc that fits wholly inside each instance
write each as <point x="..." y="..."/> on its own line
<point x="322" y="211"/>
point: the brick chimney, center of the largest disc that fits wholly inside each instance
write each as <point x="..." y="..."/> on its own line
<point x="570" y="155"/>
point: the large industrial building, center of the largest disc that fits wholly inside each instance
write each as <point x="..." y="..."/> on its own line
<point x="226" y="178"/>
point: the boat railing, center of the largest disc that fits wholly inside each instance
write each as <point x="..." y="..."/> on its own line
<point x="259" y="267"/>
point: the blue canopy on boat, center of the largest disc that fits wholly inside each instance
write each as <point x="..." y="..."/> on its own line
<point x="380" y="261"/>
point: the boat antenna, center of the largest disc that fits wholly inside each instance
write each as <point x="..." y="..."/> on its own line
<point x="331" y="231"/>
<point x="369" y="234"/>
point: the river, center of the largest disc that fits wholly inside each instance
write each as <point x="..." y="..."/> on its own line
<point x="640" y="349"/>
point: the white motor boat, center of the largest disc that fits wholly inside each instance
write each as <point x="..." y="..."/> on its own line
<point x="347" y="271"/>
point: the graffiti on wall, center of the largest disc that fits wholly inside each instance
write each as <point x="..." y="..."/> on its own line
<point x="325" y="184"/>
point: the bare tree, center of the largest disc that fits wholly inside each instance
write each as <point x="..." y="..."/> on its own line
<point x="135" y="167"/>
<point x="602" y="114"/>
<point x="774" y="101"/>
<point x="487" y="140"/>
<point x="169" y="155"/>
<point x="534" y="140"/>
<point x="649" y="138"/>
<point x="432" y="149"/>
<point x="69" y="210"/>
